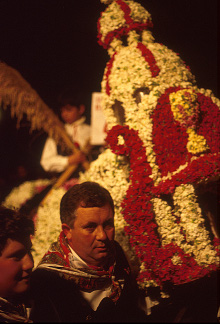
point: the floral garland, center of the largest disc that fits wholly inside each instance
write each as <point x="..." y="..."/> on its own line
<point x="108" y="72"/>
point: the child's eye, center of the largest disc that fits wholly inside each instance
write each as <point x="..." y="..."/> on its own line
<point x="17" y="259"/>
<point x="18" y="256"/>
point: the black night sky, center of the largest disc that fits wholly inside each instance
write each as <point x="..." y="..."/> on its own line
<point x="53" y="43"/>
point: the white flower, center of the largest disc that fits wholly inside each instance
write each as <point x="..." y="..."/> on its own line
<point x="19" y="195"/>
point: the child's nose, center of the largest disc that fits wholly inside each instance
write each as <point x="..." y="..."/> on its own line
<point x="28" y="262"/>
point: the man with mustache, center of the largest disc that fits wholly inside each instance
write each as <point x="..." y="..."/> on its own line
<point x="85" y="275"/>
<point x="16" y="265"/>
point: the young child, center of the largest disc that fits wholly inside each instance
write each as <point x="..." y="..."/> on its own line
<point x="71" y="111"/>
<point x="16" y="264"/>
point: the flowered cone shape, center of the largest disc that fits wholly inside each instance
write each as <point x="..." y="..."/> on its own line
<point x="164" y="196"/>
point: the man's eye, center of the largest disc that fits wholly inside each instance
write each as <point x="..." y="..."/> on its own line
<point x="90" y="227"/>
<point x="109" y="225"/>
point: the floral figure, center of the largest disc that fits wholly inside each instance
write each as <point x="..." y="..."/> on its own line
<point x="162" y="161"/>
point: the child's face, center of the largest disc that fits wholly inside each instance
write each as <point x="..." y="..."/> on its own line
<point x="16" y="265"/>
<point x="70" y="114"/>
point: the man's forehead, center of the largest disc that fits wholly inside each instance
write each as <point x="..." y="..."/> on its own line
<point x="94" y="213"/>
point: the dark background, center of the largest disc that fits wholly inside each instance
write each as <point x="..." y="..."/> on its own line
<point x="53" y="44"/>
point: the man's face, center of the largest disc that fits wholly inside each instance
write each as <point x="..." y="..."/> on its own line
<point x="16" y="264"/>
<point x="70" y="114"/>
<point x="92" y="234"/>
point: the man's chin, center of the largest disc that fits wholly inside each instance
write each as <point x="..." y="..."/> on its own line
<point x="102" y="255"/>
<point x="104" y="259"/>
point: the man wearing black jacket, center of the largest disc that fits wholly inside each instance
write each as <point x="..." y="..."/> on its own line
<point x="85" y="276"/>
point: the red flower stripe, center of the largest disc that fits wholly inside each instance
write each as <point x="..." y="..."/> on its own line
<point x="127" y="10"/>
<point x="118" y="33"/>
<point x="149" y="58"/>
<point x="202" y="169"/>
<point x="108" y="72"/>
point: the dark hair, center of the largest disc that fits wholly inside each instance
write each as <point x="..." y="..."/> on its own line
<point x="86" y="194"/>
<point x="70" y="96"/>
<point x="14" y="225"/>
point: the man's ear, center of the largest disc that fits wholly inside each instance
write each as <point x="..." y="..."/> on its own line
<point x="82" y="108"/>
<point x="67" y="231"/>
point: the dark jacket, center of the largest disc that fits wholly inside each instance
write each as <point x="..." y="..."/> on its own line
<point x="58" y="300"/>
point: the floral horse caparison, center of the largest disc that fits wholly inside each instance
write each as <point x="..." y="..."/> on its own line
<point x="162" y="161"/>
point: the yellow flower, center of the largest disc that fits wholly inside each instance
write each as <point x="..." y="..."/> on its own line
<point x="196" y="143"/>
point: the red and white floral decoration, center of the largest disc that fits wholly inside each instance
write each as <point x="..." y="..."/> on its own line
<point x="167" y="144"/>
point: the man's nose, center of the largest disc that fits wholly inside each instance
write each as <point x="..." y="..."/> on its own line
<point x="28" y="262"/>
<point x="101" y="234"/>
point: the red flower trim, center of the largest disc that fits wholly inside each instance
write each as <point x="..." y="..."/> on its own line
<point x="117" y="33"/>
<point x="149" y="58"/>
<point x="108" y="72"/>
<point x="124" y="7"/>
<point x="204" y="168"/>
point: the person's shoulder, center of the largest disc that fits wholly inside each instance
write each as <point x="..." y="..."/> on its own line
<point x="45" y="277"/>
<point x="46" y="280"/>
